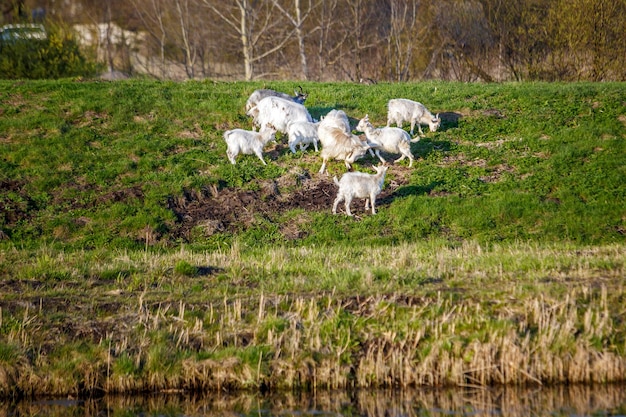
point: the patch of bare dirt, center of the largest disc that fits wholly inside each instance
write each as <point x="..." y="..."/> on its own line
<point x="232" y="209"/>
<point x="90" y="118"/>
<point x="494" y="173"/>
<point x="14" y="210"/>
<point x="124" y="194"/>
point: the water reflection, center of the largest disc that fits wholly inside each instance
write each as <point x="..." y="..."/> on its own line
<point x="605" y="400"/>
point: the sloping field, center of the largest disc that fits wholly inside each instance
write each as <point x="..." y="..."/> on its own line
<point x="135" y="257"/>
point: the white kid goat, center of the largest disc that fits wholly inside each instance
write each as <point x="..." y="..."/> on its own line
<point x="360" y="185"/>
<point x="240" y="141"/>
<point x="278" y="112"/>
<point x="337" y="140"/>
<point x="388" y="139"/>
<point x="303" y="134"/>
<point x="401" y="110"/>
<point x="258" y="95"/>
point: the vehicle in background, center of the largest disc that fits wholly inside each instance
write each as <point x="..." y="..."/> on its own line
<point x="23" y="31"/>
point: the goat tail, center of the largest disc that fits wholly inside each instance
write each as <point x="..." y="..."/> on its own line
<point x="336" y="181"/>
<point x="415" y="139"/>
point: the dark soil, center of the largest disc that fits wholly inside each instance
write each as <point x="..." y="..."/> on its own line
<point x="13" y="210"/>
<point x="234" y="209"/>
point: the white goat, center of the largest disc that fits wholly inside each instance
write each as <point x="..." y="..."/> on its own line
<point x="247" y="142"/>
<point x="388" y="139"/>
<point x="338" y="119"/>
<point x="258" y="95"/>
<point x="278" y="112"/>
<point x="303" y="134"/>
<point x="360" y="185"/>
<point x="337" y="140"/>
<point x="400" y="110"/>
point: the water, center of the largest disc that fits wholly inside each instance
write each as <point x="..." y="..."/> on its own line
<point x="604" y="400"/>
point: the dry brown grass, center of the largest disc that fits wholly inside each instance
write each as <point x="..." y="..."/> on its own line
<point x="482" y="317"/>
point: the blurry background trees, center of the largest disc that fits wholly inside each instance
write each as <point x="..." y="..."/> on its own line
<point x="354" y="40"/>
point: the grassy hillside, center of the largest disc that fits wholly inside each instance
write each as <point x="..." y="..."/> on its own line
<point x="88" y="165"/>
<point x="134" y="256"/>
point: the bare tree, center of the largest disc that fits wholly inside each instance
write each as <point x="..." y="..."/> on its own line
<point x="254" y="26"/>
<point x="406" y="32"/>
<point x="238" y="17"/>
<point x="359" y="40"/>
<point x="175" y="33"/>
<point x="354" y="38"/>
<point x="327" y="19"/>
<point x="297" y="19"/>
<point x="464" y="41"/>
<point x="190" y="53"/>
<point x="153" y="15"/>
<point x="103" y="15"/>
<point x="332" y="40"/>
<point x="520" y="31"/>
<point x="608" y="23"/>
<point x="586" y="39"/>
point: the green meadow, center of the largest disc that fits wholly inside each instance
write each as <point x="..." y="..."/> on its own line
<point x="135" y="258"/>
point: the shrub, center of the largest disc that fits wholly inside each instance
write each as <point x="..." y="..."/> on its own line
<point x="58" y="56"/>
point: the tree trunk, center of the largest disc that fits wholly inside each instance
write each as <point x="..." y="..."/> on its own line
<point x="300" y="35"/>
<point x="245" y="39"/>
<point x="184" y="31"/>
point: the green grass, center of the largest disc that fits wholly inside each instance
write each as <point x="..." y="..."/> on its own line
<point x="498" y="258"/>
<point x="112" y="154"/>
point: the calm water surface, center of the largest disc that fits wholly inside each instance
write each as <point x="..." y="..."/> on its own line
<point x="539" y="401"/>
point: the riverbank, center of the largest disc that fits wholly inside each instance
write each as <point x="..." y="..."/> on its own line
<point x="298" y="318"/>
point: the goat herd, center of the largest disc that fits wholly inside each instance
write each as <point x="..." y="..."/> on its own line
<point x="274" y="112"/>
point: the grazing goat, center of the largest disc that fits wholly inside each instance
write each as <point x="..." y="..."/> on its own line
<point x="388" y="139"/>
<point x="360" y="185"/>
<point x="337" y="140"/>
<point x="247" y="142"/>
<point x="338" y="119"/>
<point x="258" y="95"/>
<point x="278" y="112"/>
<point x="400" y="110"/>
<point x="303" y="134"/>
